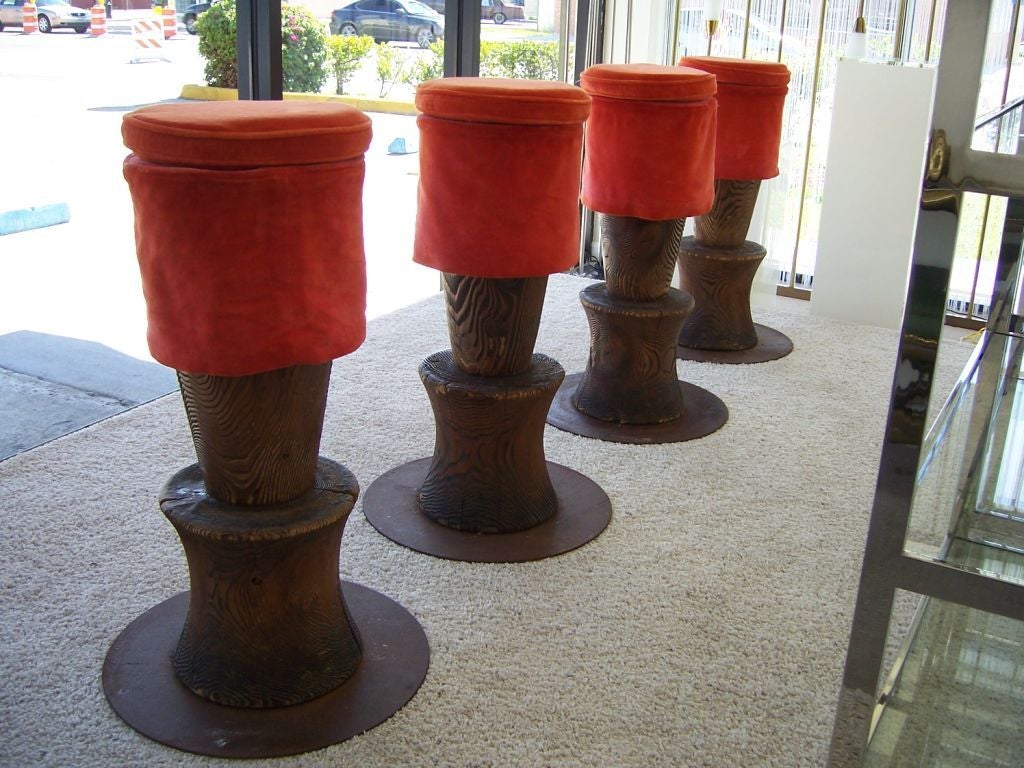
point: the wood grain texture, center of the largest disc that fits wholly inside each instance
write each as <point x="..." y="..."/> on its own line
<point x="493" y="322"/>
<point x="720" y="281"/>
<point x="727" y="223"/>
<point x="639" y="255"/>
<point x="257" y="437"/>
<point x="267" y="624"/>
<point x="630" y="376"/>
<point x="488" y="473"/>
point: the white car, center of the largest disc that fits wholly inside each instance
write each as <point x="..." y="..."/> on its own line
<point x="52" y="14"/>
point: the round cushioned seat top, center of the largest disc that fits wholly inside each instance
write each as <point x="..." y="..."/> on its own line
<point x="501" y="100"/>
<point x="739" y="71"/>
<point x="246" y="134"/>
<point x="648" y="82"/>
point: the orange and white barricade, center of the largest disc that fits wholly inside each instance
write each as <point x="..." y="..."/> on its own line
<point x="97" y="19"/>
<point x="29" y="18"/>
<point x="147" y="39"/>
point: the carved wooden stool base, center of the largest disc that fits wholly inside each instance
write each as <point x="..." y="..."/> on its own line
<point x="631" y="373"/>
<point x="488" y="474"/>
<point x="140" y="683"/>
<point x="391" y="505"/>
<point x="264" y="585"/>
<point x="719" y="280"/>
<point x="265" y="633"/>
<point x="703" y="413"/>
<point x="488" y="494"/>
<point x="771" y="345"/>
<point x="630" y="392"/>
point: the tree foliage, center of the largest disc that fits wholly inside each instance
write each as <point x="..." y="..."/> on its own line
<point x="345" y="54"/>
<point x="303" y="47"/>
<point x="390" y="67"/>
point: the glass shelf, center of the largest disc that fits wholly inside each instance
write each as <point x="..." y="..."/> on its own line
<point x="947" y="521"/>
<point x="968" y="507"/>
<point x="960" y="698"/>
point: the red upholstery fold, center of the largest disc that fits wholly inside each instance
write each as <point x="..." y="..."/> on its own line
<point x="503" y="100"/>
<point x="498" y="194"/>
<point x="751" y="99"/>
<point x="250" y="245"/>
<point x="246" y="134"/>
<point x="650" y="141"/>
<point x="647" y="82"/>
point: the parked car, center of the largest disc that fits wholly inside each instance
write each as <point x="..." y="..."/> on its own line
<point x="190" y="14"/>
<point x="398" y="20"/>
<point x="500" y="11"/>
<point x="495" y="10"/>
<point x="52" y="14"/>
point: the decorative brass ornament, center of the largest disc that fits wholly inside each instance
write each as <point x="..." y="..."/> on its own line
<point x="938" y="156"/>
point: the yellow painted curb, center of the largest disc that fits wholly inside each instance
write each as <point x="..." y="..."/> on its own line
<point x="366" y="104"/>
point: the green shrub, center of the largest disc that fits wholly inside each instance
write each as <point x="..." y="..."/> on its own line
<point x="218" y="45"/>
<point x="427" y="66"/>
<point x="345" y="54"/>
<point x="303" y="47"/>
<point x="304" y="50"/>
<point x="390" y="67"/>
<point x="521" y="59"/>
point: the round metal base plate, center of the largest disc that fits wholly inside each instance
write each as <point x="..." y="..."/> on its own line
<point x="703" y="413"/>
<point x="391" y="506"/>
<point x="771" y="345"/>
<point x="140" y="684"/>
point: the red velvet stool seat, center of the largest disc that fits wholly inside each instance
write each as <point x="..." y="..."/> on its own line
<point x="499" y="184"/>
<point x="251" y="297"/>
<point x="717" y="265"/>
<point x="649" y="164"/>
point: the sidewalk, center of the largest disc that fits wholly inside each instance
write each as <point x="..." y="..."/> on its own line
<point x="71" y="303"/>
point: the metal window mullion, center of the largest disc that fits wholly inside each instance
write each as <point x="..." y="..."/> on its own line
<point x="674" y="36"/>
<point x="746" y="29"/>
<point x="562" y="65"/>
<point x="462" y="49"/>
<point x="782" y="34"/>
<point x="810" y="142"/>
<point x="978" y="256"/>
<point x="931" y="33"/>
<point x="1010" y="45"/>
<point x="629" y="31"/>
<point x="258" y="50"/>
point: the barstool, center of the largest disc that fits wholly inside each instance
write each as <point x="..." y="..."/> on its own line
<point x="649" y="164"/>
<point x="488" y="494"/>
<point x="250" y="297"/>
<point x="717" y="265"/>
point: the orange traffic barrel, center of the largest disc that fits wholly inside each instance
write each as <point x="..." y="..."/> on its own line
<point x="170" y="22"/>
<point x="29" y="19"/>
<point x="97" y="20"/>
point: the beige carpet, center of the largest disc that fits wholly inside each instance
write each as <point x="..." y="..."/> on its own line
<point x="707" y="626"/>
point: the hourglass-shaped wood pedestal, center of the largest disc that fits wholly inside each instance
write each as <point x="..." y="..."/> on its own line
<point x="488" y="494"/>
<point x="630" y="392"/>
<point x="268" y="653"/>
<point x="717" y="266"/>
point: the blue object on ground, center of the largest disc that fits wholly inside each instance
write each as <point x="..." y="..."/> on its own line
<point x="34" y="218"/>
<point x="400" y="146"/>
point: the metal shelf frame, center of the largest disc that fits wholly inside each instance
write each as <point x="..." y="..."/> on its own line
<point x="953" y="169"/>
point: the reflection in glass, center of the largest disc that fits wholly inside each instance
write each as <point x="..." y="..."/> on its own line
<point x="959" y="700"/>
<point x="527" y="40"/>
<point x="809" y="37"/>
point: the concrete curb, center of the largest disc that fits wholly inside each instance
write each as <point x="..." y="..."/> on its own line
<point x="365" y="103"/>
